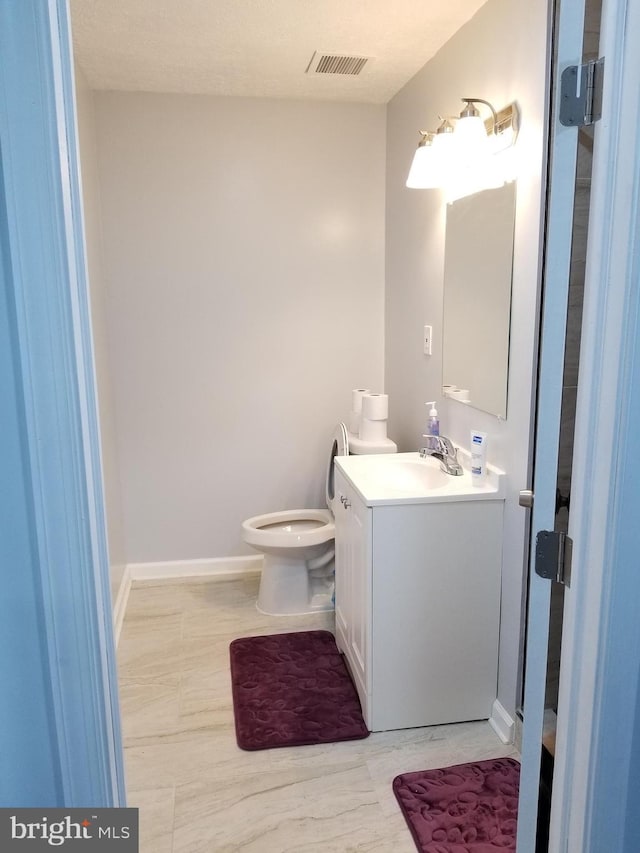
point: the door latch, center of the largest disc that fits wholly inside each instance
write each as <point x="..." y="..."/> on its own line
<point x="525" y="498"/>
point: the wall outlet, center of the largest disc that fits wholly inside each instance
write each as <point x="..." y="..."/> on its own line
<point x="426" y="340"/>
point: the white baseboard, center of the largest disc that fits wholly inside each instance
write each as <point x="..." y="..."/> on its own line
<point x="195" y="568"/>
<point x="502" y="723"/>
<point x="177" y="569"/>
<point x="120" y="603"/>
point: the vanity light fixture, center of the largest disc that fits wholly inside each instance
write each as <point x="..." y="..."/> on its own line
<point x="423" y="174"/>
<point x="432" y="158"/>
<point x="443" y="144"/>
<point x="493" y="134"/>
<point x="472" y="141"/>
<point x="449" y="153"/>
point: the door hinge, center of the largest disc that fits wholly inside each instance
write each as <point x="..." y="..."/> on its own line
<point x="581" y="93"/>
<point x="553" y="556"/>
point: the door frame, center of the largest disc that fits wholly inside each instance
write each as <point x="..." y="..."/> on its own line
<point x="56" y="355"/>
<point x="598" y="703"/>
<point x="566" y="49"/>
<point x="47" y="279"/>
<point x="599" y="699"/>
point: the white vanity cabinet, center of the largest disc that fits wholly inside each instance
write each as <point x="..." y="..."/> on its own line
<point x="418" y="606"/>
<point x="353" y="583"/>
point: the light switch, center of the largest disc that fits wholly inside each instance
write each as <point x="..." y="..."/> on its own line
<point x="426" y="340"/>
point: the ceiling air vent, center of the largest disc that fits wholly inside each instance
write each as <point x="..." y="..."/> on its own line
<point x="333" y="63"/>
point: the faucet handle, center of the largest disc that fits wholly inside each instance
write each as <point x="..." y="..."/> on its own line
<point x="432" y="443"/>
<point x="442" y="448"/>
<point x="448" y="447"/>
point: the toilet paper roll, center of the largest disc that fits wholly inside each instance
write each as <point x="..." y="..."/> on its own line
<point x="461" y="394"/>
<point x="356" y="408"/>
<point x="372" y="430"/>
<point x="356" y="401"/>
<point x="375" y="407"/>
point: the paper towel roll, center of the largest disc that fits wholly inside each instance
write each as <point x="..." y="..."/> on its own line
<point x="375" y="407"/>
<point x="372" y="430"/>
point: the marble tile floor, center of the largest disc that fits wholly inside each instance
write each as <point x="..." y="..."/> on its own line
<point x="198" y="792"/>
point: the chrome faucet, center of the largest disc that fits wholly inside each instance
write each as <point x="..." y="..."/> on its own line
<point x="441" y="447"/>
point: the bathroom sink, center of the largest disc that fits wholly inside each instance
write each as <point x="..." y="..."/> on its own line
<point x="395" y="478"/>
<point x="412" y="474"/>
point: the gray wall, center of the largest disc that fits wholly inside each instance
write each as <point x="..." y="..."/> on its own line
<point x="98" y="296"/>
<point x="500" y="56"/>
<point x="244" y="261"/>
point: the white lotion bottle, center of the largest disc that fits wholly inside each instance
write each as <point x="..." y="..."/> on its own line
<point x="478" y="457"/>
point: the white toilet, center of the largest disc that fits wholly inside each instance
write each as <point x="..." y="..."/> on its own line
<point x="298" y="547"/>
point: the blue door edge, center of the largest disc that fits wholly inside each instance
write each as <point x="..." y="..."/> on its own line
<point x="40" y="166"/>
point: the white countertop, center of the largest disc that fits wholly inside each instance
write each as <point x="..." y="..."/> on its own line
<point x="405" y="478"/>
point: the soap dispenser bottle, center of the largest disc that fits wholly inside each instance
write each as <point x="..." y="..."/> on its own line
<point x="433" y="424"/>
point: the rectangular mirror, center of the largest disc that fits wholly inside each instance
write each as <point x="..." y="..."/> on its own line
<point x="477" y="297"/>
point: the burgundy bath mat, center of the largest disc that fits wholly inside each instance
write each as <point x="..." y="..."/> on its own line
<point x="292" y="690"/>
<point x="469" y="808"/>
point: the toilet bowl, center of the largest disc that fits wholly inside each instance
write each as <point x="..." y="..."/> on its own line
<point x="298" y="544"/>
<point x="297" y="575"/>
<point x="298" y="548"/>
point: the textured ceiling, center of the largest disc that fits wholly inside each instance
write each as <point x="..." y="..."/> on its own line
<point x="260" y="48"/>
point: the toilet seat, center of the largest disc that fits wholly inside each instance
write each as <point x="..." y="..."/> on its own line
<point x="289" y="528"/>
<point x="340" y="447"/>
<point x="299" y="527"/>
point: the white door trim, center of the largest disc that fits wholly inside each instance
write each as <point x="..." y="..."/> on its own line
<point x="557" y="263"/>
<point x="605" y="451"/>
<point x="47" y="278"/>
